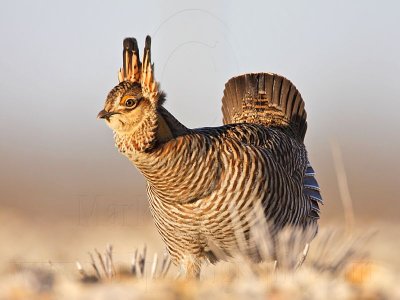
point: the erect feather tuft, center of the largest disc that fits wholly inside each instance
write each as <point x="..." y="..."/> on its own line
<point x="142" y="72"/>
<point x="131" y="62"/>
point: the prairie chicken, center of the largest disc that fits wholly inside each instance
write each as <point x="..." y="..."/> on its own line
<point x="197" y="179"/>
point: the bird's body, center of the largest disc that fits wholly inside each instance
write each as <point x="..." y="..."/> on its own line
<point x="205" y="184"/>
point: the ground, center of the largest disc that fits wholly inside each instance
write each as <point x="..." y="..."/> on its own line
<point x="39" y="256"/>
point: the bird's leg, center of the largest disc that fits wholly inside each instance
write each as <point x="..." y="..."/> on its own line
<point x="191" y="266"/>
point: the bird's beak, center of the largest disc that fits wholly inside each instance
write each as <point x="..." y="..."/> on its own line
<point x="103" y="114"/>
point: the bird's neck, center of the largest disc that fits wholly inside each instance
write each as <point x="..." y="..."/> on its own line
<point x="168" y="126"/>
<point x="156" y="129"/>
<point x="174" y="161"/>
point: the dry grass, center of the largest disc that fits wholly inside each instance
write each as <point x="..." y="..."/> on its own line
<point x="338" y="266"/>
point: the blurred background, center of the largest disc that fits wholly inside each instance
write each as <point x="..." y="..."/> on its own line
<point x="59" y="59"/>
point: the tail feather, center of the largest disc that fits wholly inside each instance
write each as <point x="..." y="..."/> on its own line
<point x="264" y="98"/>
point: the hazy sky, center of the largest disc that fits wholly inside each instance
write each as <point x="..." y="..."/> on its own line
<point x="59" y="59"/>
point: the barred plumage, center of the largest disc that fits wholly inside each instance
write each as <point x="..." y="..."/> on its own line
<point x="198" y="179"/>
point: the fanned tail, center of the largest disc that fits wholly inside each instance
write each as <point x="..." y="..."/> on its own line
<point x="264" y="98"/>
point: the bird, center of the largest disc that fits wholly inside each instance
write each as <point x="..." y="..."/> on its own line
<point x="206" y="184"/>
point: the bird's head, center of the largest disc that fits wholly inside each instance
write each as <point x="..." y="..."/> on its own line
<point x="126" y="107"/>
<point x="131" y="106"/>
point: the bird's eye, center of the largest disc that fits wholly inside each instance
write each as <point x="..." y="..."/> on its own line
<point x="130" y="102"/>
